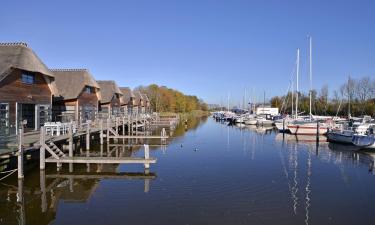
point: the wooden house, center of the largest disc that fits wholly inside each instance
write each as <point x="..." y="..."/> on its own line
<point x="76" y="97"/>
<point x="139" y="101"/>
<point x="110" y="102"/>
<point x="25" y="89"/>
<point x="128" y="100"/>
<point x="147" y="103"/>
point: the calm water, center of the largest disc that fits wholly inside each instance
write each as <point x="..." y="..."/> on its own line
<point x="209" y="174"/>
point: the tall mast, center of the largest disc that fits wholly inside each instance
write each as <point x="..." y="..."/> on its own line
<point x="228" y="102"/>
<point x="349" y="96"/>
<point x="297" y="83"/>
<point x="310" y="74"/>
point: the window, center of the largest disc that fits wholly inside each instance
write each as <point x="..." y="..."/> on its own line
<point x="89" y="90"/>
<point x="28" y="78"/>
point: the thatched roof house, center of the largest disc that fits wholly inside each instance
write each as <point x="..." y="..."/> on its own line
<point x="25" y="90"/>
<point x="128" y="99"/>
<point x="111" y="94"/>
<point x="77" y="94"/>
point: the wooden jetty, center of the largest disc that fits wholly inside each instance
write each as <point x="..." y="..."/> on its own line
<point x="119" y="128"/>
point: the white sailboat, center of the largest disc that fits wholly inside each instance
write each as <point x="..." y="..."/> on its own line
<point x="309" y="127"/>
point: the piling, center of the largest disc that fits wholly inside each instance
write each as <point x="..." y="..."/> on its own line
<point x="88" y="136"/>
<point x="42" y="152"/>
<point x="101" y="131"/>
<point x="20" y="154"/>
<point x="147" y="155"/>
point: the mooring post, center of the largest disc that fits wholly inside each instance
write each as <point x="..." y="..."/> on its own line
<point x="42" y="150"/>
<point x="123" y="125"/>
<point x="88" y="137"/>
<point x="108" y="131"/>
<point x="20" y="153"/>
<point x="147" y="185"/>
<point x="317" y="130"/>
<point x="147" y="155"/>
<point x="43" y="196"/>
<point x="116" y="124"/>
<point x="101" y="131"/>
<point x="70" y="139"/>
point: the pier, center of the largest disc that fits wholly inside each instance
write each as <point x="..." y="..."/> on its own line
<point x="50" y="142"/>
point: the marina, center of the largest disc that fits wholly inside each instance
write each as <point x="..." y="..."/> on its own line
<point x="291" y="177"/>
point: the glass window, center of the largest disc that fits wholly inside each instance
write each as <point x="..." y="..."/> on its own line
<point x="88" y="90"/>
<point x="28" y="78"/>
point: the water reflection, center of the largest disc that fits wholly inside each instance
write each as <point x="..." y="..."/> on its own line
<point x="240" y="175"/>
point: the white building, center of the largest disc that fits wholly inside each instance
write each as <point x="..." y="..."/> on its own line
<point x="267" y="110"/>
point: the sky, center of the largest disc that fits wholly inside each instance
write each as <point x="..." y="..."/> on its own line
<point x="211" y="49"/>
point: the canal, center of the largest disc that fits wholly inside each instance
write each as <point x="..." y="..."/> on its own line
<point x="209" y="173"/>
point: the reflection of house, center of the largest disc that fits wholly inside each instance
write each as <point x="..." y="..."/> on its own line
<point x="128" y="99"/>
<point x="110" y="102"/>
<point x="25" y="88"/>
<point x="76" y="97"/>
<point x="139" y="102"/>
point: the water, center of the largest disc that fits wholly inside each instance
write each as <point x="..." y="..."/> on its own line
<point x="209" y="174"/>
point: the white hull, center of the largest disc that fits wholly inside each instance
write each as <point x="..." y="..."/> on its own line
<point x="251" y="122"/>
<point x="364" y="142"/>
<point x="307" y="129"/>
<point x="282" y="127"/>
<point x="340" y="137"/>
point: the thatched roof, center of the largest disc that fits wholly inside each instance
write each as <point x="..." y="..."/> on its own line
<point x="127" y="95"/>
<point x="70" y="82"/>
<point x="145" y="97"/>
<point x="108" y="88"/>
<point x="138" y="97"/>
<point x="19" y="56"/>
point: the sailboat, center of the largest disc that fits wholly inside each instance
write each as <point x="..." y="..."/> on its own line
<point x="311" y="126"/>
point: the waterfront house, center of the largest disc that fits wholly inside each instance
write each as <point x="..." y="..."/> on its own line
<point x="25" y="89"/>
<point x="128" y="100"/>
<point x="110" y="102"/>
<point x="139" y="101"/>
<point x="76" y="97"/>
<point x="147" y="103"/>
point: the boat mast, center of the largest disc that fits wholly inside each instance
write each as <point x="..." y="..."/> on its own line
<point x="297" y="83"/>
<point x="310" y="73"/>
<point x="349" y="97"/>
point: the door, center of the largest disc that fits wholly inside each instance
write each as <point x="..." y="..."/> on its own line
<point x="44" y="114"/>
<point x="4" y="119"/>
<point x="28" y="115"/>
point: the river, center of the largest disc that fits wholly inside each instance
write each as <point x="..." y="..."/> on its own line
<point x="209" y="173"/>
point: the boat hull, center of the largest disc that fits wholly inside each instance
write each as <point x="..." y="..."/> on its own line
<point x="307" y="129"/>
<point x="339" y="137"/>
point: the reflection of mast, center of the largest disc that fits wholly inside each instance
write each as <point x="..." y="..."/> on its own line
<point x="295" y="186"/>
<point x="308" y="189"/>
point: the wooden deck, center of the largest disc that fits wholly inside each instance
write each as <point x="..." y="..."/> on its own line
<point x="102" y="160"/>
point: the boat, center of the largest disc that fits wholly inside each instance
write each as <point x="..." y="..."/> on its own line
<point x="364" y="141"/>
<point x="308" y="127"/>
<point x="264" y="120"/>
<point x="345" y="132"/>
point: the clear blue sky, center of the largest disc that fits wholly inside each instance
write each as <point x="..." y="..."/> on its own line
<point x="205" y="48"/>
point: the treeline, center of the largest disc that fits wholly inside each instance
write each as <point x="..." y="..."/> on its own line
<point x="356" y="96"/>
<point x="164" y="99"/>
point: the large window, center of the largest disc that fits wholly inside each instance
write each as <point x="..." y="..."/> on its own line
<point x="4" y="119"/>
<point x="28" y="78"/>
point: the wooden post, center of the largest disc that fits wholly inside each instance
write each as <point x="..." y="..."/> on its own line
<point x="88" y="137"/>
<point x="123" y="125"/>
<point x="70" y="139"/>
<point x="317" y="130"/>
<point x="101" y="131"/>
<point x="43" y="190"/>
<point x="42" y="150"/>
<point x="147" y="155"/>
<point x="117" y="124"/>
<point x="20" y="153"/>
<point x="107" y="131"/>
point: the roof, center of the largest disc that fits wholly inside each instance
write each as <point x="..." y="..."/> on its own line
<point x="19" y="56"/>
<point x="108" y="88"/>
<point x="70" y="82"/>
<point x="138" y="96"/>
<point x="145" y="97"/>
<point x="127" y="94"/>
